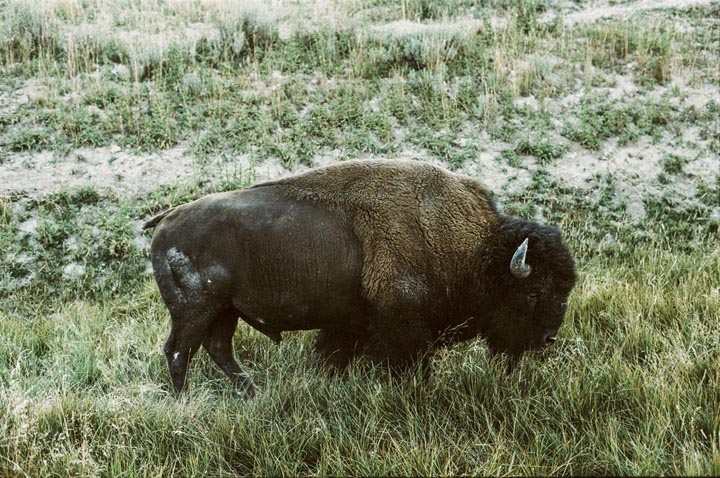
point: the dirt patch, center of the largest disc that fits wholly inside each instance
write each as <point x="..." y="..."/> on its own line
<point x="109" y="169"/>
<point x="125" y="173"/>
<point x="638" y="170"/>
<point x="12" y="99"/>
<point x="604" y="10"/>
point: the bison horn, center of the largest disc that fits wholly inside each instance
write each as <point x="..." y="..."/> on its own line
<point x="518" y="268"/>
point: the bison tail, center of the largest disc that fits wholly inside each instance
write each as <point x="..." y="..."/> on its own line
<point x="156" y="220"/>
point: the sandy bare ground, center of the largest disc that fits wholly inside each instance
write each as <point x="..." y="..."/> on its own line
<point x="598" y="10"/>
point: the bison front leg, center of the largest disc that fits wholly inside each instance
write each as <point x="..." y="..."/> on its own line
<point x="218" y="344"/>
<point x="337" y="348"/>
<point x="399" y="345"/>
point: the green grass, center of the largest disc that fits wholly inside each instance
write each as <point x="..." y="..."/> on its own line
<point x="631" y="388"/>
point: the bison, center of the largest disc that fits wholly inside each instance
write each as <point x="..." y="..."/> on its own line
<point x="387" y="258"/>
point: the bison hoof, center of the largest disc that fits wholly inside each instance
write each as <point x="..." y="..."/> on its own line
<point x="245" y="386"/>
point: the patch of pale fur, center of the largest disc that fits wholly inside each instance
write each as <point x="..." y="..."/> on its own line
<point x="413" y="288"/>
<point x="190" y="281"/>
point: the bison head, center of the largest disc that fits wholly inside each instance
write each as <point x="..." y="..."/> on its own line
<point x="530" y="273"/>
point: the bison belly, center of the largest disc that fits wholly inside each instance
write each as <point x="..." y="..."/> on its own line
<point x="282" y="264"/>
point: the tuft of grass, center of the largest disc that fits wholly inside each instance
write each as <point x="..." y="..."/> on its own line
<point x="614" y="46"/>
<point x="672" y="163"/>
<point x="27" y="139"/>
<point x="29" y="34"/>
<point x="542" y="147"/>
<point x="599" y="120"/>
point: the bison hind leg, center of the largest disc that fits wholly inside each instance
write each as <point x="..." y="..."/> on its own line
<point x="336" y="349"/>
<point x="180" y="347"/>
<point x="218" y="344"/>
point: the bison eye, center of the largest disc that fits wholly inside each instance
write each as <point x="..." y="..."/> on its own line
<point x="532" y="299"/>
<point x="563" y="305"/>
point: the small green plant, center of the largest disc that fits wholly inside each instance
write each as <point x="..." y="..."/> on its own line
<point x="26" y="139"/>
<point x="672" y="163"/>
<point x="511" y="158"/>
<point x="244" y="33"/>
<point x="600" y="120"/>
<point x="446" y="146"/>
<point x="542" y="147"/>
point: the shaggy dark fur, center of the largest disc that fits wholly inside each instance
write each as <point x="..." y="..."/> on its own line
<point x="386" y="258"/>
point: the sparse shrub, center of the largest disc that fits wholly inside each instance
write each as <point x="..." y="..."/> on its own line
<point x="85" y="127"/>
<point x="425" y="47"/>
<point x="446" y="146"/>
<point x="537" y="78"/>
<point x="540" y="146"/>
<point x="599" y="120"/>
<point x="208" y="52"/>
<point x="245" y="32"/>
<point x="27" y="33"/>
<point x="171" y="68"/>
<point x="434" y="103"/>
<point x="439" y="144"/>
<point x="654" y="55"/>
<point x="108" y="96"/>
<point x="613" y="45"/>
<point x="427" y="51"/>
<point x="112" y="50"/>
<point x="527" y="14"/>
<point x="88" y="49"/>
<point x="208" y="141"/>
<point x="323" y="50"/>
<point x="26" y="139"/>
<point x="511" y="157"/>
<point x="295" y="146"/>
<point x="83" y="246"/>
<point x="5" y="214"/>
<point x="672" y="163"/>
<point x="424" y="9"/>
<point x="157" y="129"/>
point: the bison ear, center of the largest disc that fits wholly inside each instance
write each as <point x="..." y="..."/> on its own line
<point x="518" y="267"/>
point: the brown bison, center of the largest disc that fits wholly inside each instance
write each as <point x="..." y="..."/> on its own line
<point x="387" y="258"/>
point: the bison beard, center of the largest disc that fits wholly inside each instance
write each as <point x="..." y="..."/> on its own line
<point x="387" y="258"/>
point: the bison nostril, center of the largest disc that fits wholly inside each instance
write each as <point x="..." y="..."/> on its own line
<point x="550" y="339"/>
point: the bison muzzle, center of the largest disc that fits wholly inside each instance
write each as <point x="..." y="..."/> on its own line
<point x="387" y="258"/>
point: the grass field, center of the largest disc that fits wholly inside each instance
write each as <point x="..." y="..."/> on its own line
<point x="600" y="118"/>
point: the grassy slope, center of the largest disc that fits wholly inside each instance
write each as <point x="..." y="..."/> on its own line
<point x="632" y="387"/>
